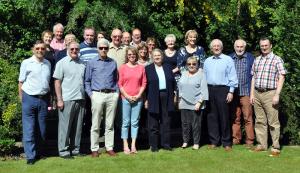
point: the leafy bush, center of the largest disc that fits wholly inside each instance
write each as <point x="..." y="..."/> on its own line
<point x="6" y="146"/>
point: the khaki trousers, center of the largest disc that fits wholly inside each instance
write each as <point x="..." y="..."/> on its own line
<point x="266" y="115"/>
<point x="100" y="102"/>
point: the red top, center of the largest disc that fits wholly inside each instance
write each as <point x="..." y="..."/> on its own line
<point x="131" y="79"/>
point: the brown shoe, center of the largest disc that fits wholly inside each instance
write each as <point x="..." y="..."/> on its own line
<point x="228" y="148"/>
<point x="248" y="146"/>
<point x="95" y="154"/>
<point x="111" y="153"/>
<point x="258" y="149"/>
<point x="274" y="154"/>
<point x="212" y="146"/>
<point x="236" y="142"/>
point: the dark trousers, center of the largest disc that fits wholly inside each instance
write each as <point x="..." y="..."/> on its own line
<point x="34" y="112"/>
<point x="191" y="120"/>
<point x="162" y="121"/>
<point x="218" y="119"/>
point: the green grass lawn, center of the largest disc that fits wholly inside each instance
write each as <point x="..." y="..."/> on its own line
<point x="240" y="160"/>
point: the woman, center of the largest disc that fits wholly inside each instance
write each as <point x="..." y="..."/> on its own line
<point x="191" y="49"/>
<point x="192" y="94"/>
<point x="170" y="53"/>
<point x="50" y="56"/>
<point x="132" y="83"/>
<point x="101" y="34"/>
<point x="143" y="55"/>
<point x="160" y="97"/>
<point x="151" y="45"/>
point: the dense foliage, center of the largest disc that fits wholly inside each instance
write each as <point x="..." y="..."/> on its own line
<point x="22" y="22"/>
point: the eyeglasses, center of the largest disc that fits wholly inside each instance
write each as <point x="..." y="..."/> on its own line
<point x="72" y="49"/>
<point x="40" y="48"/>
<point x="191" y="64"/>
<point x="103" y="48"/>
<point x="117" y="36"/>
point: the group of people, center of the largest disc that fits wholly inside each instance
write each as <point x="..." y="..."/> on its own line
<point x="124" y="75"/>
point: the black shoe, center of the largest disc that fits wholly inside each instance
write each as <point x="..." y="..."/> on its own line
<point x="154" y="149"/>
<point x="67" y="157"/>
<point x="31" y="161"/>
<point x="168" y="148"/>
<point x="79" y="155"/>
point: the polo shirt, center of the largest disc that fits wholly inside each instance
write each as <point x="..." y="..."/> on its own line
<point x="71" y="74"/>
<point x="35" y="76"/>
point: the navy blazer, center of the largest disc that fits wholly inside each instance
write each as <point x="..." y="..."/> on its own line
<point x="152" y="89"/>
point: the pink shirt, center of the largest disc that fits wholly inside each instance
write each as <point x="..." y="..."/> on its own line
<point x="57" y="45"/>
<point x="131" y="79"/>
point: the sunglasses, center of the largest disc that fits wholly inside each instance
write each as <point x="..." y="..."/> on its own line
<point x="40" y="48"/>
<point x="72" y="49"/>
<point x="103" y="48"/>
<point x="191" y="64"/>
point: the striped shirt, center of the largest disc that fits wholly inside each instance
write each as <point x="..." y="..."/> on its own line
<point x="87" y="52"/>
<point x="241" y="71"/>
<point x="266" y="71"/>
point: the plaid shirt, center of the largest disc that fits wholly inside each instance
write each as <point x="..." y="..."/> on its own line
<point x="266" y="70"/>
<point x="241" y="71"/>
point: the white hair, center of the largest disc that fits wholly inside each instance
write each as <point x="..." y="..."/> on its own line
<point x="215" y="41"/>
<point x="58" y="25"/>
<point x="103" y="41"/>
<point x="170" y="37"/>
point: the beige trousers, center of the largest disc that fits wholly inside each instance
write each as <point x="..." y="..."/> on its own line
<point x="266" y="116"/>
<point x="101" y="101"/>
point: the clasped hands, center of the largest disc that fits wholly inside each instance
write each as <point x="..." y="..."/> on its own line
<point x="133" y="99"/>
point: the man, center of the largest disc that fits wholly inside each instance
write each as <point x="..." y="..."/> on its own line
<point x="136" y="37"/>
<point x="63" y="53"/>
<point x="69" y="87"/>
<point x="88" y="49"/>
<point x="58" y="42"/>
<point x="267" y="81"/>
<point x="116" y="49"/>
<point x="241" y="101"/>
<point x="222" y="80"/>
<point x="126" y="38"/>
<point x="33" y="89"/>
<point x="101" y="86"/>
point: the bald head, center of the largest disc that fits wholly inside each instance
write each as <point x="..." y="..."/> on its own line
<point x="116" y="36"/>
<point x="126" y="38"/>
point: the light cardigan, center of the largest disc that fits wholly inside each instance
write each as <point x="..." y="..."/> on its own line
<point x="192" y="89"/>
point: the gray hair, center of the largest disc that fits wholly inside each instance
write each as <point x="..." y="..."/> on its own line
<point x="241" y="40"/>
<point x="103" y="41"/>
<point x="58" y="25"/>
<point x="215" y="40"/>
<point x="170" y="37"/>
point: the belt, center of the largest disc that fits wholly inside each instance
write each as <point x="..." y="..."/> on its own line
<point x="105" y="91"/>
<point x="263" y="89"/>
<point x="216" y="86"/>
<point x="39" y="96"/>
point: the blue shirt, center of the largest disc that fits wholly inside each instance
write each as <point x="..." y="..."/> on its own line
<point x="35" y="76"/>
<point x="100" y="74"/>
<point x="161" y="77"/>
<point x="221" y="71"/>
<point x="87" y="52"/>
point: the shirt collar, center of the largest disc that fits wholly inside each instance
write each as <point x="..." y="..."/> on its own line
<point x="268" y="56"/>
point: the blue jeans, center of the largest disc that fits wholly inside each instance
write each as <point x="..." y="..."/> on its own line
<point x="131" y="117"/>
<point x="34" y="112"/>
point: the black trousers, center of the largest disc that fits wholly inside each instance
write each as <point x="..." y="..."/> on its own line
<point x="159" y="121"/>
<point x="191" y="121"/>
<point x="218" y="119"/>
